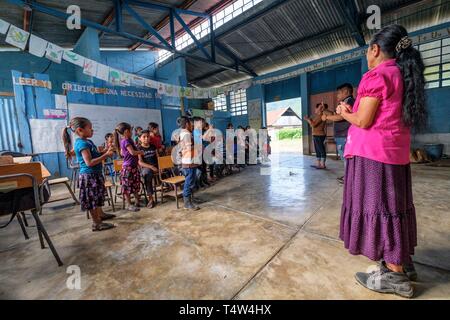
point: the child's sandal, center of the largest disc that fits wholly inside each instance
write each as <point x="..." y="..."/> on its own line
<point x="102" y="226"/>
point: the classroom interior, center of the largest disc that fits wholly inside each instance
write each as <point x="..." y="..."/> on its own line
<point x="266" y="231"/>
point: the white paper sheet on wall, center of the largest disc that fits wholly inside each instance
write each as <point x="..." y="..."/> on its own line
<point x="254" y="113"/>
<point x="105" y="118"/>
<point x="60" y="101"/>
<point x="46" y="135"/>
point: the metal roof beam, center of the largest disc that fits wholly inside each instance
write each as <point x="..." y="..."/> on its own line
<point x="268" y="52"/>
<point x="290" y="44"/>
<point x="148" y="27"/>
<point x="109" y="18"/>
<point x="186" y="4"/>
<point x="163" y="7"/>
<point x="350" y="14"/>
<point x="237" y="61"/>
<point x="63" y="15"/>
<point x="28" y="16"/>
<point x="188" y="30"/>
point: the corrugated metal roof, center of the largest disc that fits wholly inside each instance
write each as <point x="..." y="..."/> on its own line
<point x="295" y="31"/>
<point x="55" y="30"/>
<point x="321" y="26"/>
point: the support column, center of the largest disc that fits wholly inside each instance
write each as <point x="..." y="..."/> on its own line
<point x="304" y="93"/>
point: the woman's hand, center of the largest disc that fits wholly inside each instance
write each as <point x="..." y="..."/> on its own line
<point x="343" y="108"/>
<point x="346" y="107"/>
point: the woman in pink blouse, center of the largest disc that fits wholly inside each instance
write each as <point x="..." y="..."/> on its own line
<point x="378" y="218"/>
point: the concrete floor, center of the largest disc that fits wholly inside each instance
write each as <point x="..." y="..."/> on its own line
<point x="257" y="237"/>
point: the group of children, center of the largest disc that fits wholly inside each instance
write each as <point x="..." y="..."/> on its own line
<point x="139" y="159"/>
<point x="139" y="150"/>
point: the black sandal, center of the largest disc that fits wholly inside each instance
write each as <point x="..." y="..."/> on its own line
<point x="108" y="216"/>
<point x="102" y="226"/>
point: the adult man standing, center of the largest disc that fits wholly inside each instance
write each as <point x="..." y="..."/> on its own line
<point x="344" y="94"/>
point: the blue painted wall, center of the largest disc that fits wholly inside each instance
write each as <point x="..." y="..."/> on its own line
<point x="28" y="63"/>
<point x="282" y="90"/>
<point x="328" y="80"/>
<point x="115" y="100"/>
<point x="88" y="46"/>
<point x="174" y="73"/>
<point x="137" y="62"/>
<point x="438" y="110"/>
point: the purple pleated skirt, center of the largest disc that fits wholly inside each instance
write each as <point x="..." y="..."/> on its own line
<point x="378" y="218"/>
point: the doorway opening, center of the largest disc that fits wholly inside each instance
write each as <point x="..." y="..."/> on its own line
<point x="284" y="124"/>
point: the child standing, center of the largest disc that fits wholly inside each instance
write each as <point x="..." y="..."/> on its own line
<point x="91" y="180"/>
<point x="130" y="177"/>
<point x="148" y="163"/>
<point x="187" y="162"/>
<point x="155" y="137"/>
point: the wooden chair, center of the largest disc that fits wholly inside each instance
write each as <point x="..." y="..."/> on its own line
<point x="166" y="164"/>
<point x="117" y="166"/>
<point x="26" y="180"/>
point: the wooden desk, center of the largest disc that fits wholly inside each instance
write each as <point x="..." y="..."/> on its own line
<point x="45" y="172"/>
<point x="36" y="169"/>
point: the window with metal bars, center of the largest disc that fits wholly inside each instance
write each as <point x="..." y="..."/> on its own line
<point x="231" y="11"/>
<point x="220" y="103"/>
<point x="436" y="57"/>
<point x="238" y="102"/>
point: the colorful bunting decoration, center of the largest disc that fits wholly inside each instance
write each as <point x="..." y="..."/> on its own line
<point x="102" y="72"/>
<point x="90" y="67"/>
<point x="114" y="76"/>
<point x="37" y="46"/>
<point x="17" y="37"/>
<point x="74" y="58"/>
<point x="4" y="26"/>
<point x="54" y="52"/>
<point x="125" y="79"/>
